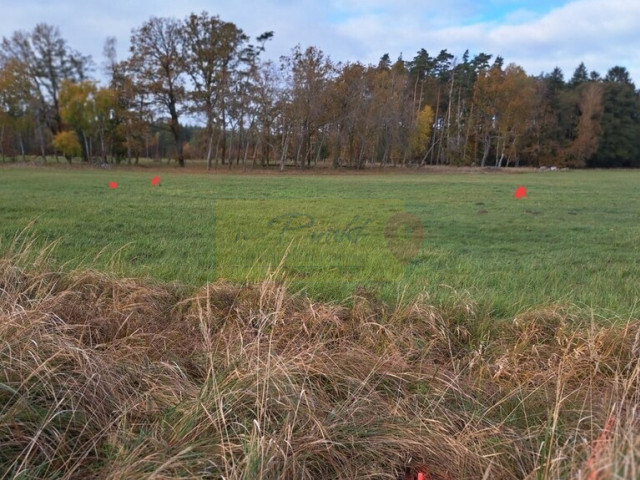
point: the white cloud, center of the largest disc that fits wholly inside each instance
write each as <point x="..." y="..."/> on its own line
<point x="602" y="34"/>
<point x="598" y="33"/>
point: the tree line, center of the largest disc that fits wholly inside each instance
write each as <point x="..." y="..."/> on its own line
<point x="199" y="87"/>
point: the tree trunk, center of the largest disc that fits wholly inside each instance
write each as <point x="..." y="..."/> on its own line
<point x="256" y="147"/>
<point x="285" y="147"/>
<point x="22" y="151"/>
<point x="299" y="151"/>
<point x="241" y="138"/>
<point x="487" y="147"/>
<point x="103" y="146"/>
<point x="176" y="132"/>
<point x="85" y="147"/>
<point x="128" y="141"/>
<point x="244" y="158"/>
<point x="209" y="147"/>
<point x="459" y="127"/>
<point x="435" y="130"/>
<point x="423" y="162"/>
<point x="42" y="145"/>
<point x="216" y="156"/>
<point x="468" y="134"/>
<point x="447" y="135"/>
<point x="223" y="134"/>
<point x="500" y="156"/>
<point x="230" y="161"/>
<point x="318" y="151"/>
<point x="2" y="142"/>
<point x="361" y="158"/>
<point x="337" y="145"/>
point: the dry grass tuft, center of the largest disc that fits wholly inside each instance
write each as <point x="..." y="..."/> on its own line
<point x="103" y="377"/>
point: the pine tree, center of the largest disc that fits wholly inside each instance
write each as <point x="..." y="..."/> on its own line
<point x="619" y="145"/>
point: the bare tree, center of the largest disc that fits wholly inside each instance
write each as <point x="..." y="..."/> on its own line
<point x="160" y="69"/>
<point x="309" y="73"/>
<point x="46" y="61"/>
<point x="212" y="50"/>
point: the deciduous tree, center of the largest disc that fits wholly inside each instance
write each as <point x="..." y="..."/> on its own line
<point x="48" y="61"/>
<point x="159" y="67"/>
<point x="16" y="94"/>
<point x="421" y="133"/>
<point x="212" y="51"/>
<point x="78" y="111"/>
<point x="67" y="142"/>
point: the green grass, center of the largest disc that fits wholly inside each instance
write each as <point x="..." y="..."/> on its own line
<point x="518" y="360"/>
<point x="572" y="240"/>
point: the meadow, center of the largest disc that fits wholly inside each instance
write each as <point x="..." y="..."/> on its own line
<point x="241" y="326"/>
<point x="572" y="240"/>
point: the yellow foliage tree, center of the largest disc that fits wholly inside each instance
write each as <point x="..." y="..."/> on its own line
<point x="589" y="131"/>
<point x="421" y="134"/>
<point x="67" y="143"/>
<point x="16" y="90"/>
<point x="187" y="150"/>
<point x="77" y="110"/>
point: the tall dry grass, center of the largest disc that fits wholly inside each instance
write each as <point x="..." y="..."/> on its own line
<point x="113" y="378"/>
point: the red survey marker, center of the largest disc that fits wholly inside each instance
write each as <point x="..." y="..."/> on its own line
<point x="113" y="185"/>
<point x="521" y="192"/>
<point x="155" y="181"/>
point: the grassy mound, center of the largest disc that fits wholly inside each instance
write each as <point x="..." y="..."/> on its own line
<point x="111" y="378"/>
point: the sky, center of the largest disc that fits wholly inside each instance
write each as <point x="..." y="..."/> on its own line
<point x="538" y="35"/>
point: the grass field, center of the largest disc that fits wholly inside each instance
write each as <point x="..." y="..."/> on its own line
<point x="500" y="341"/>
<point x="110" y="378"/>
<point x="572" y="240"/>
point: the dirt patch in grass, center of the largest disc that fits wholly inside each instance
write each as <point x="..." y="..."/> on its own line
<point x="199" y="167"/>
